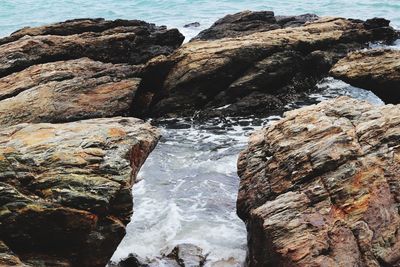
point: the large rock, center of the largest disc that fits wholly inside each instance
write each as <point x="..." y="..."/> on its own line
<point x="377" y="70"/>
<point x="321" y="187"/>
<point x="120" y="41"/>
<point x="253" y="74"/>
<point x="67" y="91"/>
<point x="65" y="189"/>
<point x="248" y="22"/>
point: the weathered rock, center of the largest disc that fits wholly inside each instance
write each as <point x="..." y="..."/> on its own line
<point x="120" y="41"/>
<point x="377" y="70"/>
<point x="67" y="91"/>
<point x="248" y="22"/>
<point x="65" y="189"/>
<point x="273" y="66"/>
<point x="188" y="255"/>
<point x="321" y="187"/>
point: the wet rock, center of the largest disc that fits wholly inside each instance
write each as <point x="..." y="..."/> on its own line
<point x="248" y="22"/>
<point x="67" y="91"/>
<point x="192" y="25"/>
<point x="65" y="189"/>
<point x="377" y="70"/>
<point x="119" y="41"/>
<point x="183" y="255"/>
<point x="321" y="187"/>
<point x="278" y="64"/>
<point x="188" y="255"/>
<point x="131" y="261"/>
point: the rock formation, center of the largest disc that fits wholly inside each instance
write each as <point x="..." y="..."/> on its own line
<point x="67" y="91"/>
<point x="58" y="72"/>
<point x="377" y="70"/>
<point x="255" y="73"/>
<point x="120" y="41"/>
<point x="321" y="187"/>
<point x="247" y="22"/>
<point x="65" y="189"/>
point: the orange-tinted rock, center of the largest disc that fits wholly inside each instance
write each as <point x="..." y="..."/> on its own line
<point x="377" y="70"/>
<point x="65" y="189"/>
<point x="255" y="73"/>
<point x="321" y="187"/>
<point x="67" y="91"/>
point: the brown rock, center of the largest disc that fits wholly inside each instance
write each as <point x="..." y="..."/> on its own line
<point x="321" y="187"/>
<point x="248" y="22"/>
<point x="274" y="66"/>
<point x="376" y="70"/>
<point x="67" y="91"/>
<point x="120" y="41"/>
<point x="65" y="189"/>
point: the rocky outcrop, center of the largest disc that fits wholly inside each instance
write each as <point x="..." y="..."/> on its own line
<point x="67" y="91"/>
<point x="248" y="22"/>
<point x="377" y="70"/>
<point x="65" y="189"/>
<point x="252" y="74"/>
<point x="59" y="72"/>
<point x="321" y="187"/>
<point x="120" y="41"/>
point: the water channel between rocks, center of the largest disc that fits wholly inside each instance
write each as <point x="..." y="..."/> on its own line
<point x="188" y="185"/>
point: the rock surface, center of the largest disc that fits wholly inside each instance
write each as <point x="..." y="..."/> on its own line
<point x="183" y="255"/>
<point x="321" y="187"/>
<point x="67" y="91"/>
<point x="65" y="189"/>
<point x="252" y="74"/>
<point x="376" y="70"/>
<point x="248" y="22"/>
<point x="119" y="41"/>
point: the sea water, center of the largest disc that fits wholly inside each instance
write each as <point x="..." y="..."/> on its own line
<point x="187" y="188"/>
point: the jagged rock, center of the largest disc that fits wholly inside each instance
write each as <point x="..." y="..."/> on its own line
<point x="67" y="91"/>
<point x="377" y="70"/>
<point x="248" y="22"/>
<point x="65" y="189"/>
<point x="321" y="187"/>
<point x="273" y="66"/>
<point x="188" y="255"/>
<point x="120" y="41"/>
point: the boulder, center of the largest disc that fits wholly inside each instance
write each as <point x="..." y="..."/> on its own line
<point x="67" y="91"/>
<point x="377" y="70"/>
<point x="222" y="77"/>
<point x="248" y="22"/>
<point x="188" y="255"/>
<point x="119" y="41"/>
<point x="321" y="187"/>
<point x="65" y="189"/>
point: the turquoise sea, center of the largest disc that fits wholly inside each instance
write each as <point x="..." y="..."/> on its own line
<point x="15" y="14"/>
